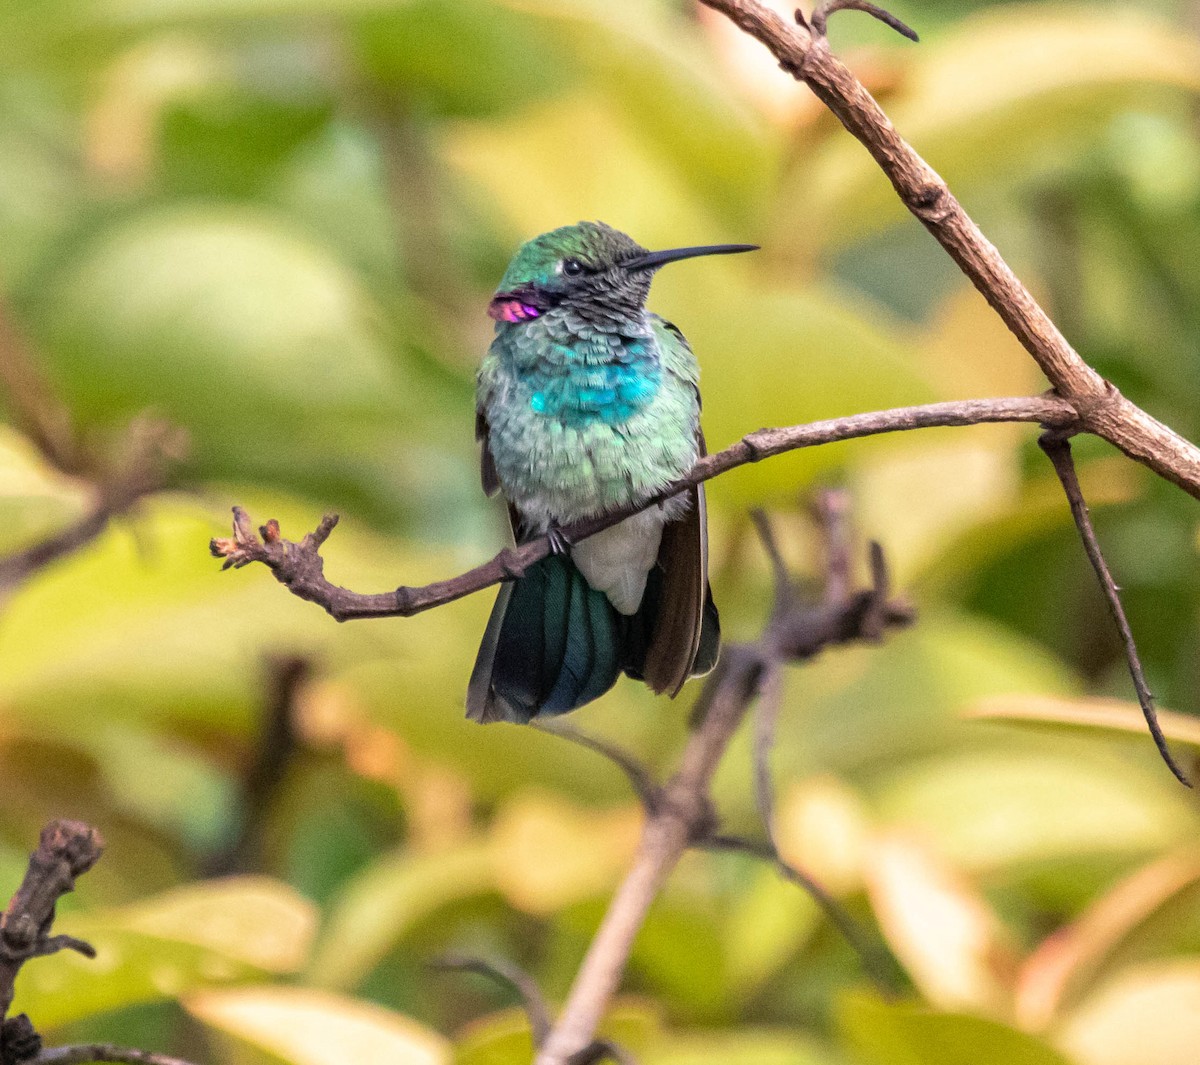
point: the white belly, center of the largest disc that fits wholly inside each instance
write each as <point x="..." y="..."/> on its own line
<point x="618" y="560"/>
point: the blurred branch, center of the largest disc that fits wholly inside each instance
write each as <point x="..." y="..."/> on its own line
<point x="645" y="787"/>
<point x="803" y="51"/>
<point x="34" y="407"/>
<point x="135" y="468"/>
<point x="66" y="850"/>
<point x="683" y="814"/>
<point x="1058" y="449"/>
<point x="139" y="470"/>
<point x="300" y="567"/>
<point x="276" y="746"/>
<point x="510" y="975"/>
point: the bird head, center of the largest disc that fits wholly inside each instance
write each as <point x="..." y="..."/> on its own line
<point x="587" y="264"/>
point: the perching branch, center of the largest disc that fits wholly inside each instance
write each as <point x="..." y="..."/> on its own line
<point x="300" y="567"/>
<point x="803" y="52"/>
<point x="683" y="814"/>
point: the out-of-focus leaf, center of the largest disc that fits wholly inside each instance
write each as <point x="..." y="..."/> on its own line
<point x="865" y="709"/>
<point x="381" y="903"/>
<point x="769" y="923"/>
<point x="948" y="937"/>
<point x="308" y="1027"/>
<point x="1066" y="963"/>
<point x="129" y="968"/>
<point x="194" y="937"/>
<point x="113" y="627"/>
<point x="960" y="483"/>
<point x="234" y="144"/>
<point x="1096" y="716"/>
<point x="187" y="795"/>
<point x="214" y="314"/>
<point x="887" y="1034"/>
<point x="249" y="918"/>
<point x="40" y="189"/>
<point x="981" y="103"/>
<point x="996" y="809"/>
<point x="499" y="1039"/>
<point x="137" y="614"/>
<point x="678" y="950"/>
<point x="822" y="355"/>
<point x="151" y="14"/>
<point x="739" y="1047"/>
<point x="502" y="1038"/>
<point x="1036" y="511"/>
<point x="591" y="849"/>
<point x="1146" y="1014"/>
<point x="610" y="175"/>
<point x="683" y="108"/>
<point x="821" y="826"/>
<point x="35" y="502"/>
<point x="434" y="49"/>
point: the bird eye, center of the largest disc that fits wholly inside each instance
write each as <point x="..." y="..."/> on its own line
<point x="572" y="267"/>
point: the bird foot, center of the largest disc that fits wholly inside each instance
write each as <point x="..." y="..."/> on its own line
<point x="560" y="542"/>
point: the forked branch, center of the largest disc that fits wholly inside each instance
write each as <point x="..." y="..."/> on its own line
<point x="803" y="51"/>
<point x="682" y="813"/>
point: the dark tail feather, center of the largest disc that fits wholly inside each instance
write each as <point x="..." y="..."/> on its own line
<point x="550" y="646"/>
<point x="709" y="649"/>
<point x="676" y="633"/>
<point x="638" y="636"/>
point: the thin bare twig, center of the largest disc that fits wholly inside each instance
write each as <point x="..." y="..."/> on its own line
<point x="599" y="1051"/>
<point x="645" y="787"/>
<point x="300" y="567"/>
<point x="36" y="409"/>
<point x="512" y="976"/>
<point x="66" y="850"/>
<point x="831" y="509"/>
<point x="821" y="16"/>
<point x="876" y="961"/>
<point x="1058" y="449"/>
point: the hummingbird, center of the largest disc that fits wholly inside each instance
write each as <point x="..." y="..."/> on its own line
<point x="585" y="403"/>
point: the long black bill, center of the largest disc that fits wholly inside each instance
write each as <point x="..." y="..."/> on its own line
<point x="654" y="259"/>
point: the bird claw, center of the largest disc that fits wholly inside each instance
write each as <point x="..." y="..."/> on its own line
<point x="560" y="543"/>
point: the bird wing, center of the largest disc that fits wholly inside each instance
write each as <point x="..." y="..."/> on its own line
<point x="686" y="615"/>
<point x="487" y="464"/>
<point x="683" y="598"/>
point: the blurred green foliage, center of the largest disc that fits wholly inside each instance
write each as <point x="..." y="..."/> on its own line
<point x="276" y="223"/>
